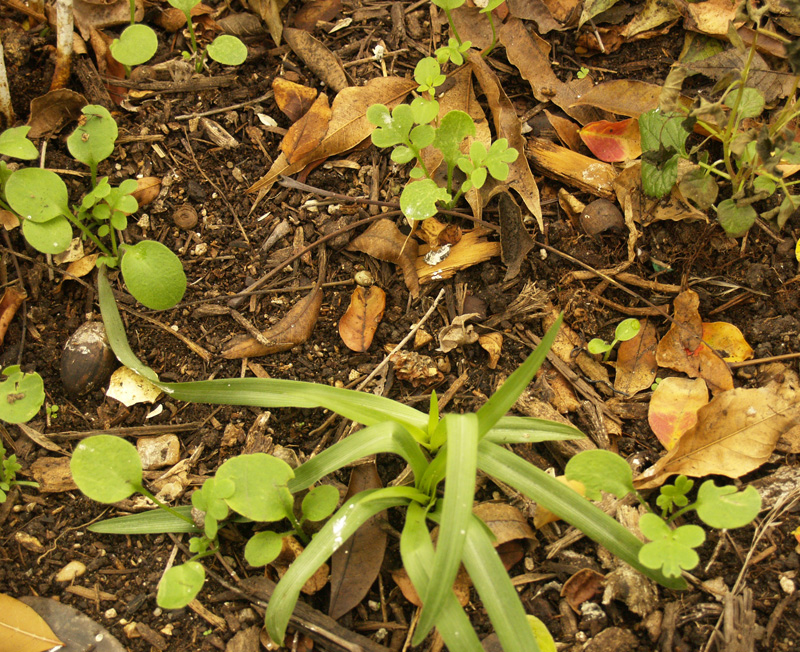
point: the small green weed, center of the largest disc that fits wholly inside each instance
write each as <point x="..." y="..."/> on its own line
<point x="626" y="330"/>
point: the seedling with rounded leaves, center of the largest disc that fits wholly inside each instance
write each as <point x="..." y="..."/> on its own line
<point x="14" y="143"/>
<point x="227" y="50"/>
<point x="136" y="45"/>
<point x="626" y="330"/>
<point x="93" y="140"/>
<point x="671" y="550"/>
<point x="21" y="395"/>
<point x="452" y="52"/>
<point x="8" y="474"/>
<point x="428" y="74"/>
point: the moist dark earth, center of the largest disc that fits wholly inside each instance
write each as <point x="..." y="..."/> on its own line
<point x="224" y="253"/>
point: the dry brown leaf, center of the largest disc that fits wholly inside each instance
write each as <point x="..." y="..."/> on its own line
<point x="22" y="629"/>
<point x="682" y="348"/>
<point x="515" y="241"/>
<point x="636" y="361"/>
<point x="506" y="522"/>
<point x="628" y="187"/>
<point x="319" y="59"/>
<point x="461" y="586"/>
<point x="622" y="96"/>
<point x="315" y="10"/>
<point x="711" y="17"/>
<point x="51" y="112"/>
<point x="472" y="26"/>
<point x="582" y="586"/>
<point x="348" y="126"/>
<point x="306" y="134"/>
<point x="292" y="99"/>
<point x="358" y="325"/>
<point x="534" y="66"/>
<point x="571" y="168"/>
<point x="458" y="333"/>
<point x="88" y="15"/>
<point x="492" y="343"/>
<point x="566" y="129"/>
<point x="437" y="233"/>
<point x="416" y="368"/>
<point x="384" y="241"/>
<point x="507" y="125"/>
<point x="291" y="550"/>
<point x="473" y="248"/>
<point x="9" y="304"/>
<point x="735" y="433"/>
<point x="270" y="12"/>
<point x="147" y="189"/>
<point x="537" y="11"/>
<point x="356" y="564"/>
<point x="295" y="327"/>
<point x="53" y="474"/>
<point x="9" y="220"/>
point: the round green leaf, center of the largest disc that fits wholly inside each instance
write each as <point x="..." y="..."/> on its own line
<point x="418" y="199"/>
<point x="542" y="635"/>
<point x="106" y="468"/>
<point x="185" y="6"/>
<point x="601" y="470"/>
<point x="37" y="195"/>
<point x="21" y="395"/>
<point x="154" y="274"/>
<point x="94" y="138"/>
<point x="597" y="345"/>
<point x="261" y="486"/>
<point x="263" y="548"/>
<point x="180" y="585"/>
<point x="137" y="44"/>
<point x="227" y="50"/>
<point x="725" y="507"/>
<point x="14" y="143"/>
<point x="698" y="187"/>
<point x="751" y="104"/>
<point x="736" y="220"/>
<point x="51" y="237"/>
<point x="320" y="502"/>
<point x="627" y="329"/>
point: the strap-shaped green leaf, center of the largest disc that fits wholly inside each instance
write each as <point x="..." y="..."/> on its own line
<point x="416" y="549"/>
<point x="459" y="492"/>
<point x="386" y="437"/>
<point x="333" y="534"/>
<point x="568" y="505"/>
<point x="502" y="400"/>
<point x="153" y="522"/>
<point x="530" y="430"/>
<point x="498" y="595"/>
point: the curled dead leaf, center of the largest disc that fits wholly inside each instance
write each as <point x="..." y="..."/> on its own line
<point x="636" y="361"/>
<point x="458" y="333"/>
<point x="358" y="325"/>
<point x="292" y="99"/>
<point x="582" y="586"/>
<point x="9" y="304"/>
<point x="147" y="189"/>
<point x="384" y="241"/>
<point x="291" y="550"/>
<point x="492" y="343"/>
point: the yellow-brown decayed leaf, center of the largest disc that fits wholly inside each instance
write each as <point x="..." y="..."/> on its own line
<point x="636" y="361"/>
<point x="492" y="343"/>
<point x="358" y="325"/>
<point x="22" y="629"/>
<point x="682" y="348"/>
<point x="622" y="96"/>
<point x="292" y="99"/>
<point x="506" y="522"/>
<point x="357" y="562"/>
<point x="291" y="549"/>
<point x="348" y="126"/>
<point x="673" y="408"/>
<point x="147" y="189"/>
<point x="320" y="60"/>
<point x="544" y="516"/>
<point x="295" y="327"/>
<point x="727" y="340"/>
<point x="473" y="248"/>
<point x="735" y="433"/>
<point x="567" y="130"/>
<point x="507" y="125"/>
<point x="613" y="142"/>
<point x="712" y="17"/>
<point x="310" y="12"/>
<point x="461" y="97"/>
<point x="654" y="14"/>
<point x="384" y="241"/>
<point x="573" y="169"/>
<point x="306" y="134"/>
<point x="9" y="304"/>
<point x="437" y="233"/>
<point x="461" y="586"/>
<point x="534" y="65"/>
<point x="270" y="13"/>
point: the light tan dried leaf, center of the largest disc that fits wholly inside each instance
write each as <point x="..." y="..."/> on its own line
<point x="735" y="433"/>
<point x="492" y="343"/>
<point x="348" y="126"/>
<point x="320" y="60"/>
<point x="566" y="129"/>
<point x="506" y="522"/>
<point x="636" y="361"/>
<point x="290" y="551"/>
<point x="622" y="96"/>
<point x="384" y="241"/>
<point x="22" y="629"/>
<point x="147" y="189"/>
<point x="358" y="325"/>
<point x="270" y="12"/>
<point x="458" y="333"/>
<point x="51" y="112"/>
<point x="473" y="248"/>
<point x="292" y="99"/>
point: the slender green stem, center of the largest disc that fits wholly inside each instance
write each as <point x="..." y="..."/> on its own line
<point x="133" y="12"/>
<point x="681" y="512"/>
<point x="163" y="506"/>
<point x="93" y="170"/>
<point x="112" y="233"/>
<point x="87" y="232"/>
<point x="452" y="25"/>
<point x="488" y="51"/>
<point x="713" y="169"/>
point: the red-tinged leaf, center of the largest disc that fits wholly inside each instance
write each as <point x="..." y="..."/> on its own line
<point x="673" y="408"/>
<point x="356" y="564"/>
<point x="613" y="141"/>
<point x="292" y="99"/>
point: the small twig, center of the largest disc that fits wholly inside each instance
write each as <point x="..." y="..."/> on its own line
<point x="232" y="107"/>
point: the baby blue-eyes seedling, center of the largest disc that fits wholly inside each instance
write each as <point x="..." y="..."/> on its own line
<point x="671" y="549"/>
<point x="21" y="395"/>
<point x="225" y="49"/>
<point x="153" y="273"/>
<point x="626" y="330"/>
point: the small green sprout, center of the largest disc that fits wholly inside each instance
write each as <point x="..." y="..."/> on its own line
<point x="582" y="73"/>
<point x="452" y="52"/>
<point x="8" y="474"/>
<point x="626" y="330"/>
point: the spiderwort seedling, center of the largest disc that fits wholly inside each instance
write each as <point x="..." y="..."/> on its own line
<point x="227" y="50"/>
<point x="626" y="330"/>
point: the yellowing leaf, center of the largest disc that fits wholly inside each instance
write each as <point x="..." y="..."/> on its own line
<point x="292" y="99"/>
<point x="673" y="408"/>
<point x="613" y="142"/>
<point x="727" y="340"/>
<point x="22" y="629"/>
<point x="636" y="361"/>
<point x="735" y="434"/>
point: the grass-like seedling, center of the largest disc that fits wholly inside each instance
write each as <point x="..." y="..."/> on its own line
<point x="153" y="273"/>
<point x="670" y="549"/>
<point x="626" y="330"/>
<point x="439" y="449"/>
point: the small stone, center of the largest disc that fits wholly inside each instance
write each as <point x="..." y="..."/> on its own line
<point x="110" y="613"/>
<point x="422" y="338"/>
<point x="157" y="452"/>
<point x="601" y="215"/>
<point x="131" y="631"/>
<point x="87" y="360"/>
<point x="29" y="542"/>
<point x="72" y="570"/>
<point x="613" y="639"/>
